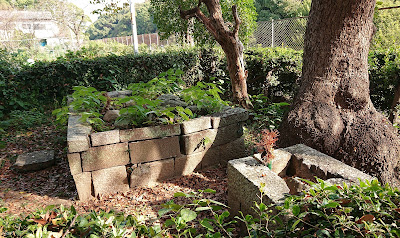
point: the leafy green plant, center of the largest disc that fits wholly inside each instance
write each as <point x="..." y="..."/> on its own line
<point x="182" y="219"/>
<point x="168" y="82"/>
<point x="205" y="96"/>
<point x="266" y="114"/>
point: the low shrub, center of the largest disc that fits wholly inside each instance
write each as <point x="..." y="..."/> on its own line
<point x="273" y="72"/>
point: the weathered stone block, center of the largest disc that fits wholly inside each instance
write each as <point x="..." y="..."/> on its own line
<point x="229" y="116"/>
<point x="220" y="155"/>
<point x="105" y="157"/>
<point x="146" y="133"/>
<point x="75" y="164"/>
<point x="34" y="161"/>
<point x="245" y="176"/>
<point x="187" y="164"/>
<point x="83" y="183"/>
<point x="198" y="141"/>
<point x="77" y="135"/>
<point x="150" y="173"/>
<point x="227" y="134"/>
<point x="110" y="180"/>
<point x="156" y="149"/>
<point x="105" y="138"/>
<point x="195" y="125"/>
<point x="308" y="163"/>
<point x="280" y="162"/>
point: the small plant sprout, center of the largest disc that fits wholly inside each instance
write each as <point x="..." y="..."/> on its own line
<point x="266" y="145"/>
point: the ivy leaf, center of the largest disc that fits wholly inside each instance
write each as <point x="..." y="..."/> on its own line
<point x="188" y="215"/>
<point x="207" y="225"/>
<point x="296" y="210"/>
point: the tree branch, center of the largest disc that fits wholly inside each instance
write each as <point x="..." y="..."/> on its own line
<point x="189" y="13"/>
<point x="196" y="12"/>
<point x="237" y="20"/>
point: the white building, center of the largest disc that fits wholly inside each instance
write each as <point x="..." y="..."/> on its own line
<point x="38" y="25"/>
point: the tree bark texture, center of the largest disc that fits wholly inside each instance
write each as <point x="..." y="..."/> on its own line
<point x="230" y="43"/>
<point x="332" y="111"/>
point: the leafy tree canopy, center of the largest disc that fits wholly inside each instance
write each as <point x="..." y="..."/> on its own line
<point x="17" y="4"/>
<point x="119" y="23"/>
<point x="387" y="23"/>
<point x="166" y="15"/>
<point x="279" y="9"/>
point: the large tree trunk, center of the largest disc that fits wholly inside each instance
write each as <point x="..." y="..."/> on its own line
<point x="332" y="111"/>
<point x="230" y="43"/>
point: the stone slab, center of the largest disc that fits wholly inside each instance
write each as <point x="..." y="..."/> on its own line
<point x="34" y="161"/>
<point x="229" y="116"/>
<point x="147" y="133"/>
<point x="245" y="177"/>
<point x="195" y="125"/>
<point x="203" y="140"/>
<point x="156" y="149"/>
<point x="228" y="133"/>
<point x="187" y="164"/>
<point x="105" y="157"/>
<point x="151" y="173"/>
<point x="280" y="163"/>
<point x="110" y="180"/>
<point x="308" y="162"/>
<point x="77" y="135"/>
<point x="75" y="163"/>
<point x="105" y="138"/>
<point x="83" y="183"/>
<point x="198" y="141"/>
<point x="220" y="155"/>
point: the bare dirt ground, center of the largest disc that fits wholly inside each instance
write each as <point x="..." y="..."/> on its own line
<point x="23" y="193"/>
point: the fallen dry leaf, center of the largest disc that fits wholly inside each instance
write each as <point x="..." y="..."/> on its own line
<point x="366" y="218"/>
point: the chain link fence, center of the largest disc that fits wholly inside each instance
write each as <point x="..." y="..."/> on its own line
<point x="284" y="33"/>
<point x="281" y="33"/>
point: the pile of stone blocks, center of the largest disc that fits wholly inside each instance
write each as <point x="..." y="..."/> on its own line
<point x="245" y="176"/>
<point x="117" y="160"/>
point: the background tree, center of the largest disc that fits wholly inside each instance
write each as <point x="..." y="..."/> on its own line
<point x="67" y="15"/>
<point x="332" y="111"/>
<point x="119" y="23"/>
<point x="387" y="24"/>
<point x="280" y="9"/>
<point x="227" y="22"/>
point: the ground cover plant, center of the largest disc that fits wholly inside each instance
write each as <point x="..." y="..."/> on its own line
<point x="325" y="210"/>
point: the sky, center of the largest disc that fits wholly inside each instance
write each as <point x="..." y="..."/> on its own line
<point x="88" y="8"/>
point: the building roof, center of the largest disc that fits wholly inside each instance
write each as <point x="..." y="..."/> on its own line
<point x="25" y="15"/>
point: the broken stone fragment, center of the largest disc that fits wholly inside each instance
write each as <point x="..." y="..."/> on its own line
<point x="34" y="161"/>
<point x="171" y="101"/>
<point x="111" y="115"/>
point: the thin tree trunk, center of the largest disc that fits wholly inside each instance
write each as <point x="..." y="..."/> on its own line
<point x="230" y="43"/>
<point x="394" y="116"/>
<point x="332" y="111"/>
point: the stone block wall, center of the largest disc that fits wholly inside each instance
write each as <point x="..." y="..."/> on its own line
<point x="117" y="160"/>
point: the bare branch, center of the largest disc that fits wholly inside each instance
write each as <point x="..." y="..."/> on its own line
<point x="237" y="20"/>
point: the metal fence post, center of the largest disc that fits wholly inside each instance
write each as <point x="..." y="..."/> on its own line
<point x="272" y="33"/>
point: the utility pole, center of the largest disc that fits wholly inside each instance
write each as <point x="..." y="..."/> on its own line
<point x="133" y="23"/>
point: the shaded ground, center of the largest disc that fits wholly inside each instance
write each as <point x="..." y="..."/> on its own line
<point x="24" y="193"/>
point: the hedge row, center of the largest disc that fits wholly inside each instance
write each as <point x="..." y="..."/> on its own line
<point x="272" y="71"/>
